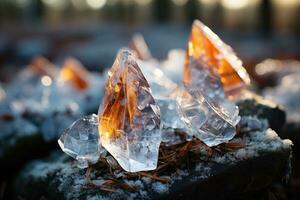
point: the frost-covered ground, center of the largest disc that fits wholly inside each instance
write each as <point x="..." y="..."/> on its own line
<point x="287" y="94"/>
<point x="69" y="182"/>
<point x="33" y="107"/>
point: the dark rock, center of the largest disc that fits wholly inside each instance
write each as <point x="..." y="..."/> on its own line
<point x="255" y="105"/>
<point x="242" y="179"/>
<point x="19" y="149"/>
<point x="226" y="175"/>
<point x="20" y="141"/>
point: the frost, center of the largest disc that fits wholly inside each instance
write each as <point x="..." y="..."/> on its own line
<point x="287" y="94"/>
<point x="138" y="184"/>
<point x="50" y="107"/>
<point x="205" y="171"/>
<point x="160" y="187"/>
<point x="259" y="139"/>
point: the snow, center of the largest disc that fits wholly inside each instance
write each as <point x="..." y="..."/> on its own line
<point x="259" y="140"/>
<point x="137" y="184"/>
<point x="287" y="94"/>
<point x="51" y="108"/>
<point x="160" y="187"/>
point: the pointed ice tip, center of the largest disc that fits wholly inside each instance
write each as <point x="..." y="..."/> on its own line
<point x="140" y="47"/>
<point x="206" y="47"/>
<point x="75" y="73"/>
<point x="125" y="52"/>
<point x="197" y="22"/>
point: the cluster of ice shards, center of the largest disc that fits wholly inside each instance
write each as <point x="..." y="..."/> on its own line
<point x="208" y="120"/>
<point x="200" y="107"/>
<point x="128" y="126"/>
<point x="52" y="101"/>
<point x="287" y="94"/>
<point x="81" y="141"/>
<point x="173" y="122"/>
<point x="144" y="105"/>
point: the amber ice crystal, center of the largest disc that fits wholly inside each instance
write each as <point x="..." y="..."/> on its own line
<point x="74" y="73"/>
<point x="206" y="50"/>
<point x="129" y="117"/>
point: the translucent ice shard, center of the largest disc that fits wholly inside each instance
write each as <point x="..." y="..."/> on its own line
<point x="172" y="66"/>
<point x="160" y="85"/>
<point x="129" y="117"/>
<point x="81" y="141"/>
<point x="75" y="73"/>
<point x="139" y="46"/>
<point x="171" y="117"/>
<point x="210" y="67"/>
<point x="43" y="67"/>
<point x="173" y="122"/>
<point x="207" y="51"/>
<point x="211" y="122"/>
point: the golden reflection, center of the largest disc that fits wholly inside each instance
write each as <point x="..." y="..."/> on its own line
<point x="206" y="49"/>
<point x="73" y="72"/>
<point x="120" y="103"/>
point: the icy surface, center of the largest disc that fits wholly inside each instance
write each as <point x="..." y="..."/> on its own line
<point x="259" y="139"/>
<point x="287" y="94"/>
<point x="81" y="141"/>
<point x="159" y="83"/>
<point x="173" y="65"/>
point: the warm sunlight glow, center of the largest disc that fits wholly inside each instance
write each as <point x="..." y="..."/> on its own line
<point x="46" y="81"/>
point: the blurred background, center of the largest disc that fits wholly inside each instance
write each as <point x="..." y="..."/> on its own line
<point x="94" y="30"/>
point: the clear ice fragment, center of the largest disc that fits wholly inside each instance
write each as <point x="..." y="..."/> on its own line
<point x="172" y="66"/>
<point x="140" y="47"/>
<point x="172" y="121"/>
<point x="129" y="116"/>
<point x="81" y="141"/>
<point x="206" y="117"/>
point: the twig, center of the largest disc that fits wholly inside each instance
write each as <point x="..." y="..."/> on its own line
<point x="154" y="177"/>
